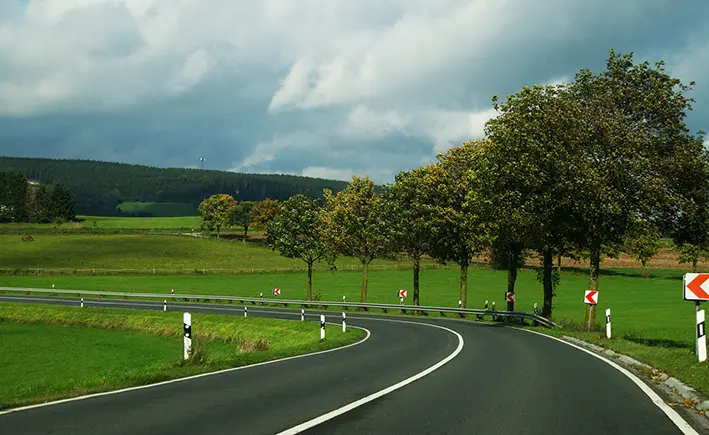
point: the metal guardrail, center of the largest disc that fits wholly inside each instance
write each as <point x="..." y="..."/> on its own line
<point x="163" y="296"/>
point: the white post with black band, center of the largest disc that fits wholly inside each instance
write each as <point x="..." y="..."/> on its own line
<point x="187" y="323"/>
<point x="322" y="327"/>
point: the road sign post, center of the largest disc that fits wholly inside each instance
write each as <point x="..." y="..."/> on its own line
<point x="591" y="300"/>
<point x="696" y="289"/>
<point x="510" y="298"/>
<point x="187" y="324"/>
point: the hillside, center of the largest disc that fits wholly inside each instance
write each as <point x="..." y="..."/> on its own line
<point x="98" y="187"/>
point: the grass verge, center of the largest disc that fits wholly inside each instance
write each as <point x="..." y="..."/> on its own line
<point x="52" y="352"/>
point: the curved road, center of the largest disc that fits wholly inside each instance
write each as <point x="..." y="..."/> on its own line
<point x="487" y="380"/>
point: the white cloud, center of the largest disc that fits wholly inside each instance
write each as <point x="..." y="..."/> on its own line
<point x="306" y="86"/>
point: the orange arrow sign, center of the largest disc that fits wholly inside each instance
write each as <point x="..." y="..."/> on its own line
<point x="695" y="286"/>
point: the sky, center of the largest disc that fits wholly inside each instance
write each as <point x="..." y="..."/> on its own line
<point x="321" y="88"/>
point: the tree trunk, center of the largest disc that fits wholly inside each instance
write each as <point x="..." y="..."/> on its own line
<point x="464" y="284"/>
<point x="511" y="279"/>
<point x="365" y="279"/>
<point x="310" y="280"/>
<point x="643" y="271"/>
<point x="594" y="269"/>
<point x="548" y="288"/>
<point x="417" y="269"/>
<point x="246" y="232"/>
<point x="558" y="263"/>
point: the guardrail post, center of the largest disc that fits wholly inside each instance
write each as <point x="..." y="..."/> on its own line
<point x="608" y="323"/>
<point x="187" y="325"/>
<point x="322" y="327"/>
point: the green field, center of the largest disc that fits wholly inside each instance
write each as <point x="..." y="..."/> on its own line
<point x="53" y="352"/>
<point x="99" y="223"/>
<point x="146" y="252"/>
<point x="158" y="209"/>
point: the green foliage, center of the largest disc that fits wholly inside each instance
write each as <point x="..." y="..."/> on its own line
<point x="22" y="202"/>
<point x="99" y="187"/>
<point x="296" y="232"/>
<point x="216" y="211"/>
<point x="62" y="207"/>
<point x="242" y="216"/>
<point x="354" y="224"/>
<point x="264" y="212"/>
<point x="692" y="254"/>
<point x="643" y="242"/>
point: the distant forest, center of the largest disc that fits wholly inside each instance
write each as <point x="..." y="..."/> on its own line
<point x="97" y="188"/>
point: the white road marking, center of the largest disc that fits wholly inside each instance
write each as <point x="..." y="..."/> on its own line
<point x="349" y="407"/>
<point x="681" y="424"/>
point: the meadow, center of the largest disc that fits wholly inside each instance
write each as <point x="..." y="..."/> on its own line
<point x="159" y="209"/>
<point x="651" y="321"/>
<point x="52" y="352"/>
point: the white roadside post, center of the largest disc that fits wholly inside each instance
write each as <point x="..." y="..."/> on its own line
<point x="82" y="302"/>
<point x="164" y="305"/>
<point x="187" y="324"/>
<point x="322" y="327"/>
<point x="246" y="312"/>
<point x="302" y="315"/>
<point x="608" y="323"/>
<point x="696" y="289"/>
<point x="344" y="322"/>
<point x="460" y="303"/>
<point x="701" y="337"/>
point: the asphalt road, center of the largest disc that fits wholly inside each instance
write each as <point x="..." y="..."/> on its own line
<point x="502" y="381"/>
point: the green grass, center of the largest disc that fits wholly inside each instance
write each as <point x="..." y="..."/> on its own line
<point x="86" y="224"/>
<point x="54" y="352"/>
<point x="158" y="209"/>
<point x="110" y="222"/>
<point x="146" y="252"/>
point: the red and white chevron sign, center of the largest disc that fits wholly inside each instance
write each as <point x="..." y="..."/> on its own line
<point x="695" y="287"/>
<point x="402" y="294"/>
<point x="510" y="296"/>
<point x="276" y="292"/>
<point x="591" y="297"/>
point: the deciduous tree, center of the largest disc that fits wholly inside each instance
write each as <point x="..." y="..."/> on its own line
<point x="242" y="216"/>
<point x="296" y="232"/>
<point x="354" y="225"/>
<point x="216" y="211"/>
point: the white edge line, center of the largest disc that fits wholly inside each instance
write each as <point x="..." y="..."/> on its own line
<point x="673" y="415"/>
<point x="172" y="381"/>
<point x="337" y="412"/>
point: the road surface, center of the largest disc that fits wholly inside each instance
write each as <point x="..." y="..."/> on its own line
<point x="472" y="378"/>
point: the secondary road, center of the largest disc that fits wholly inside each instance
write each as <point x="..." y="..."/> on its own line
<point x="487" y="380"/>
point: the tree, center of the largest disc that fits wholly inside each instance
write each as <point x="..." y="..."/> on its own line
<point x="409" y="215"/>
<point x="637" y="144"/>
<point x="693" y="254"/>
<point x="42" y="206"/>
<point x="527" y="175"/>
<point x="61" y="204"/>
<point x="353" y="225"/>
<point x="216" y="211"/>
<point x="458" y="231"/>
<point x="242" y="216"/>
<point x="296" y="232"/>
<point x="263" y="212"/>
<point x="13" y="197"/>
<point x="643" y="242"/>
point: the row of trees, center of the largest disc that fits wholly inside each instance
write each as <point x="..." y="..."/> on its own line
<point x="99" y="187"/>
<point x="583" y="169"/>
<point x="22" y="201"/>
<point x="222" y="211"/>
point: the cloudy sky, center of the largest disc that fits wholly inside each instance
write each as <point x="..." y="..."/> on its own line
<point x="324" y="88"/>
